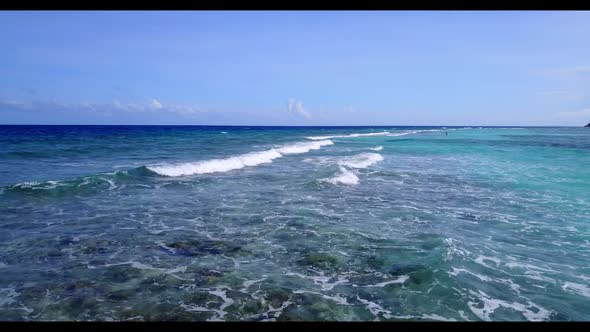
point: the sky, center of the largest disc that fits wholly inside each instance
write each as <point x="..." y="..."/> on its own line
<point x="295" y="67"/>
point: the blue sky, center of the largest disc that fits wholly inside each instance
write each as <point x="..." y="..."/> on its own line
<point x="295" y="68"/>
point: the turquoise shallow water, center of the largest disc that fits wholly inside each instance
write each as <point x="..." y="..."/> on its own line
<point x="250" y="223"/>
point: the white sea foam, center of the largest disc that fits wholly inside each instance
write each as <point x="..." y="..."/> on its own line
<point x="226" y="303"/>
<point x="237" y="162"/>
<point x="302" y="147"/>
<point x="375" y="308"/>
<point x="377" y="148"/>
<point x="142" y="266"/>
<point x="219" y="314"/>
<point x="249" y="283"/>
<point x="34" y="185"/>
<point x="345" y="176"/>
<point x="491" y="304"/>
<point x="272" y="313"/>
<point x="322" y="280"/>
<point x="362" y="160"/>
<point x="456" y="272"/>
<point x="481" y="259"/>
<point x="438" y="317"/>
<point x="338" y="298"/>
<point x="399" y="280"/>
<point x="577" y="288"/>
<point x="28" y="184"/>
<point x="383" y="133"/>
<point x="8" y="296"/>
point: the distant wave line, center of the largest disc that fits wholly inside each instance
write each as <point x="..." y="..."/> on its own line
<point x="383" y="133"/>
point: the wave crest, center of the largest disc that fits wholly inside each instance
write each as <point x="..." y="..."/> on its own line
<point x="384" y="133"/>
<point x="362" y="160"/>
<point x="237" y="162"/>
<point x="346" y="177"/>
<point x="381" y="133"/>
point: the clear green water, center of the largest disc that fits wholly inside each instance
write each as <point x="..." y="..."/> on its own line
<point x="156" y="223"/>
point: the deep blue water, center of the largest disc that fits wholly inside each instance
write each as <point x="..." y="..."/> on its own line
<point x="294" y="223"/>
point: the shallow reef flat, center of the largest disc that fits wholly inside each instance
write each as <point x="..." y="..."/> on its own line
<point x="273" y="224"/>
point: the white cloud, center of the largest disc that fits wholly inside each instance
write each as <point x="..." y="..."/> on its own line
<point x="300" y="110"/>
<point x="14" y="104"/>
<point x="89" y="106"/>
<point x="297" y="108"/>
<point x="118" y="105"/>
<point x="151" y="106"/>
<point x="155" y="104"/>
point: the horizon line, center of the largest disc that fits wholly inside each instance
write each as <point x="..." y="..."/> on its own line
<point x="297" y="126"/>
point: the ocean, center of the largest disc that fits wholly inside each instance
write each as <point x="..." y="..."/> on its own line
<point x="211" y="223"/>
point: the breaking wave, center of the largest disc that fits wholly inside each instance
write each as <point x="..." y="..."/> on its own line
<point x="237" y="162"/>
<point x="362" y="160"/>
<point x="346" y="175"/>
